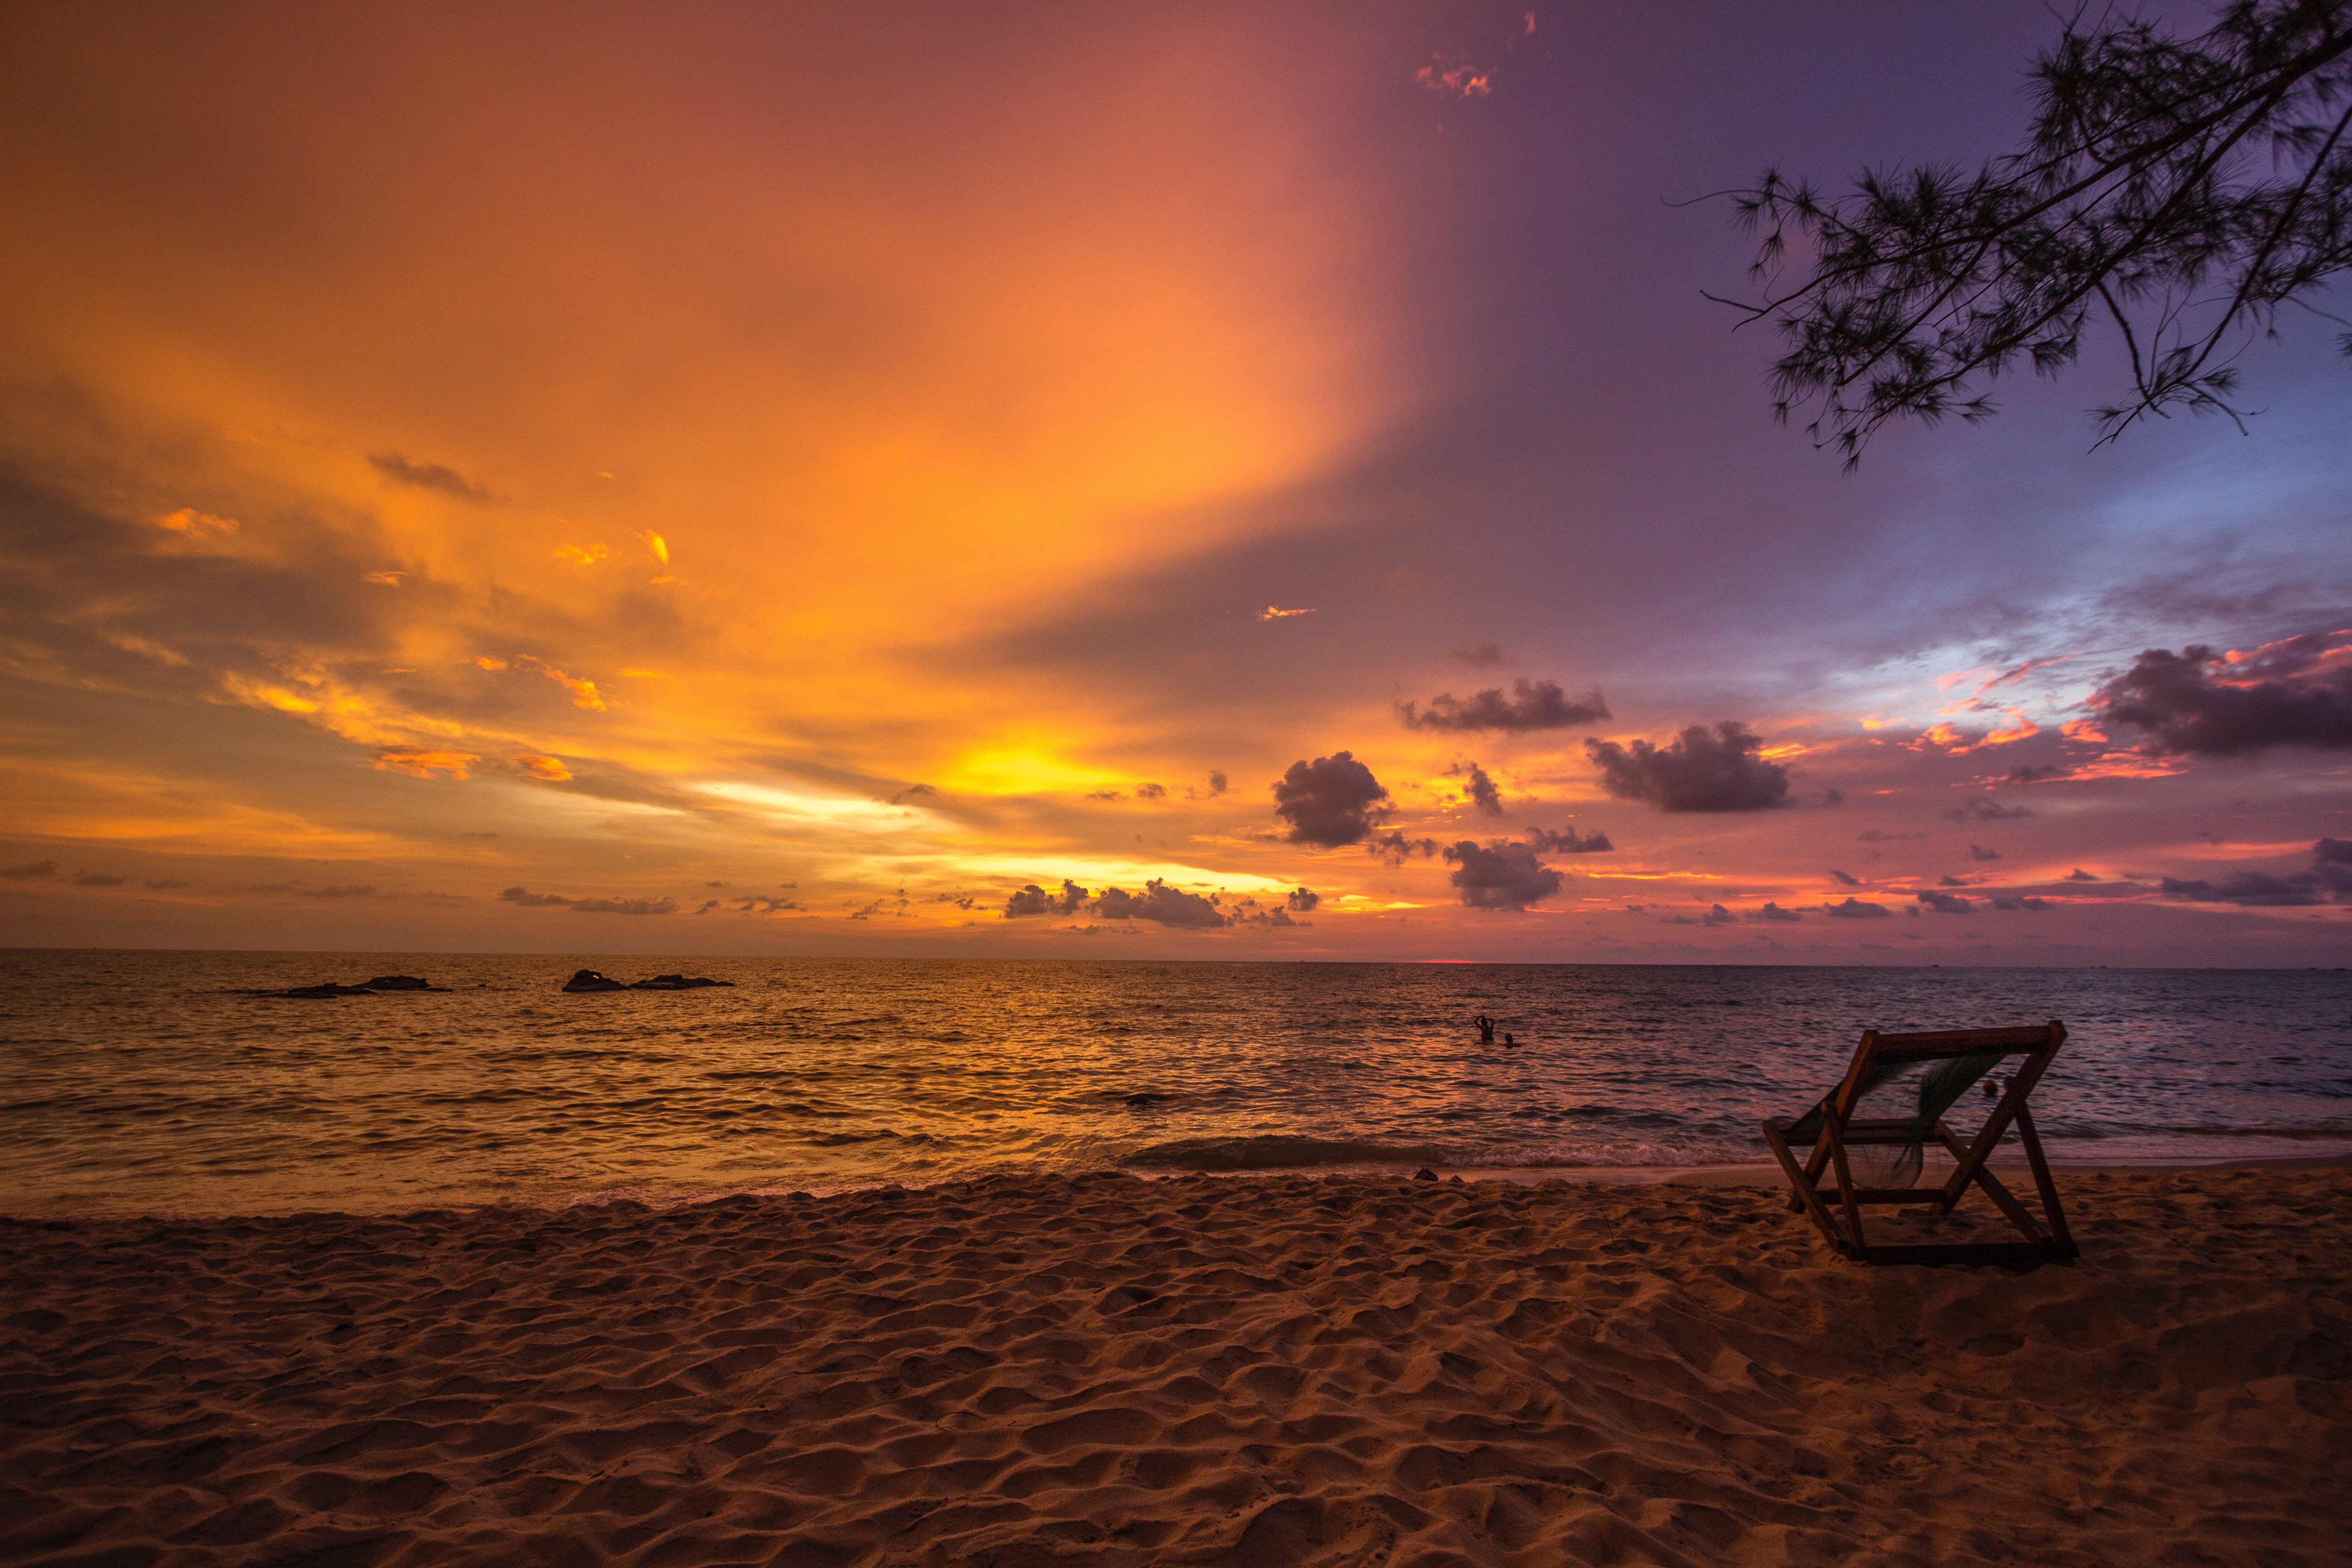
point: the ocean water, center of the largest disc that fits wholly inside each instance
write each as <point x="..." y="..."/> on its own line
<point x="156" y="1083"/>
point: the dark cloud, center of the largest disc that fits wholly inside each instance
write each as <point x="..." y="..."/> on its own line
<point x="1978" y="852"/>
<point x="1842" y="881"/>
<point x="1330" y="802"/>
<point x="914" y="792"/>
<point x="1164" y="904"/>
<point x="2030" y="773"/>
<point x="1481" y="788"/>
<point x="1152" y="792"/>
<point x="1033" y="900"/>
<point x="1702" y="771"/>
<point x="1774" y="914"/>
<point x="1832" y="797"/>
<point x="1854" y="909"/>
<point x="1875" y="836"/>
<point x="1716" y="916"/>
<point x="1950" y="883"/>
<point x="1299" y="900"/>
<point x="625" y="906"/>
<point x="2203" y="702"/>
<point x="403" y="470"/>
<point x="1533" y="705"/>
<point x="30" y="872"/>
<point x="2257" y="889"/>
<point x="98" y="880"/>
<point x="1984" y="808"/>
<point x="1946" y="904"/>
<point x="2035" y="906"/>
<point x="2079" y="875"/>
<point x="1501" y="875"/>
<point x="347" y="890"/>
<point x="1396" y="849"/>
<point x="756" y="905"/>
<point x="1216" y="782"/>
<point x="2332" y="852"/>
<point x="589" y="906"/>
<point x="1566" y="842"/>
<point x="1158" y="902"/>
<point x="1477" y="656"/>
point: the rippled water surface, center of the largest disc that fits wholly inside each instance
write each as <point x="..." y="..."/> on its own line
<point x="147" y="1082"/>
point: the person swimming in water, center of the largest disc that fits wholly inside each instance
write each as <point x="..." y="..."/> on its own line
<point x="1486" y="1029"/>
<point x="1510" y="1039"/>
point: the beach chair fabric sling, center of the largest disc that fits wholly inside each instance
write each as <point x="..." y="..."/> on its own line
<point x="1952" y="1061"/>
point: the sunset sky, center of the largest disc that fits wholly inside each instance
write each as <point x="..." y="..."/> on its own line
<point x="794" y="480"/>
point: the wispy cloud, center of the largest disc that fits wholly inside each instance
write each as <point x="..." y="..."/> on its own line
<point x="404" y="470"/>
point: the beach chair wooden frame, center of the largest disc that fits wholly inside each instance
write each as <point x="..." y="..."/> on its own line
<point x="2046" y="1240"/>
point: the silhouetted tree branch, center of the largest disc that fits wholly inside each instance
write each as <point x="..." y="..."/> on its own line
<point x="2184" y="191"/>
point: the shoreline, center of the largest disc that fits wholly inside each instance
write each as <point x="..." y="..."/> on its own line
<point x="1756" y="1174"/>
<point x="1301" y="1369"/>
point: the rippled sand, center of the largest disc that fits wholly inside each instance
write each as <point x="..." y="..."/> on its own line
<point x="1055" y="1370"/>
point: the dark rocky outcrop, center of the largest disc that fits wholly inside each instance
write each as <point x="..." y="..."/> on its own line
<point x="594" y="979"/>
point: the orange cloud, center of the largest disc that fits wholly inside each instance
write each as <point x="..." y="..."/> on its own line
<point x="551" y="769"/>
<point x="388" y="579"/>
<point x="581" y="554"/>
<point x="2019" y="727"/>
<point x="190" y="524"/>
<point x="422" y="763"/>
<point x="1455" y="79"/>
<point x="583" y="690"/>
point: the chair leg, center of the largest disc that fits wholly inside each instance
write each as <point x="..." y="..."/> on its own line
<point x="1803" y="1196"/>
<point x="2043" y="1181"/>
<point x="1836" y="1141"/>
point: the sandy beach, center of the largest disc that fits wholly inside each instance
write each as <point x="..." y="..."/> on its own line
<point x="1198" y="1370"/>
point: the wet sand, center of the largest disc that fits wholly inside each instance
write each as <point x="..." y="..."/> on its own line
<point x="1049" y="1370"/>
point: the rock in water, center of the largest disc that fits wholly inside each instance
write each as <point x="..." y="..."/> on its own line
<point x="397" y="982"/>
<point x="676" y="982"/>
<point x="590" y="980"/>
<point x="327" y="988"/>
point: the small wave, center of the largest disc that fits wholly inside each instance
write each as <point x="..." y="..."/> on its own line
<point x="1274" y="1151"/>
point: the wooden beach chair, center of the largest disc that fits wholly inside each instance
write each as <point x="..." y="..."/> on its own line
<point x="1831" y="1128"/>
